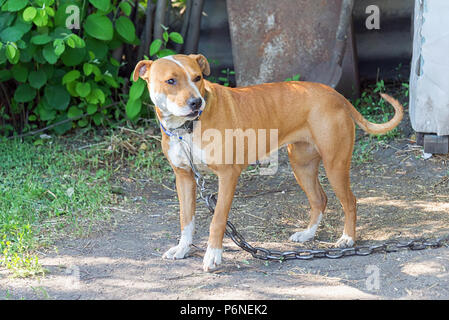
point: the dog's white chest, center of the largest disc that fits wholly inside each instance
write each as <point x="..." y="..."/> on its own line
<point x="183" y="152"/>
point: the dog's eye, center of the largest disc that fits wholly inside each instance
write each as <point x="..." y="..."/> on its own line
<point x="171" y="81"/>
<point x="198" y="78"/>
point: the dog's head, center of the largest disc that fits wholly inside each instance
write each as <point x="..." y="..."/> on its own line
<point x="176" y="83"/>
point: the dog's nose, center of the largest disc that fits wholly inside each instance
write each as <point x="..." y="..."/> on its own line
<point x="194" y="103"/>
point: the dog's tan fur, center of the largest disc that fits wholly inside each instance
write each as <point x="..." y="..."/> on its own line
<point x="313" y="120"/>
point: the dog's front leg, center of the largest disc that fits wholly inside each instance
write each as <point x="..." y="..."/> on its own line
<point x="186" y="188"/>
<point x="227" y="181"/>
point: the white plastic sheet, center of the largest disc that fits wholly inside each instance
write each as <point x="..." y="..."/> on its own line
<point x="429" y="78"/>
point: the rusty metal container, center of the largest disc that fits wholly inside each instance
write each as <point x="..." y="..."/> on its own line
<point x="273" y="40"/>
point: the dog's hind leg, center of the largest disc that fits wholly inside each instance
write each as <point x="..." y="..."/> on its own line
<point x="186" y="188"/>
<point x="305" y="162"/>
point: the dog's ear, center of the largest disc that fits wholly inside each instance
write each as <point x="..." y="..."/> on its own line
<point x="202" y="62"/>
<point x="141" y="69"/>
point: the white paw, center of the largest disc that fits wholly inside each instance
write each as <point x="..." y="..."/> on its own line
<point x="212" y="259"/>
<point x="307" y="234"/>
<point x="345" y="241"/>
<point x="177" y="252"/>
<point x="302" y="236"/>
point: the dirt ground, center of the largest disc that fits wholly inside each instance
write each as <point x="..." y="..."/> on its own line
<point x="400" y="196"/>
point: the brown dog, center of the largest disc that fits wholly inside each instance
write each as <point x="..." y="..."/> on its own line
<point x="313" y="120"/>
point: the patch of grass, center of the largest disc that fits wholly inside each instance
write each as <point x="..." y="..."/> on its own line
<point x="46" y="191"/>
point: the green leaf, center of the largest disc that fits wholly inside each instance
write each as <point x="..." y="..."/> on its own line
<point x="5" y="75"/>
<point x="64" y="127"/>
<point x="176" y="37"/>
<point x="92" y="108"/>
<point x="74" y="112"/>
<point x="98" y="119"/>
<point x="88" y="69"/>
<point x="83" y="89"/>
<point x="125" y="28"/>
<point x="37" y="79"/>
<point x="82" y="123"/>
<point x="57" y="97"/>
<point x="11" y="34"/>
<point x="70" y="42"/>
<point x="44" y="113"/>
<point x="73" y="57"/>
<point x="79" y="42"/>
<point x="99" y="48"/>
<point x="102" y="5"/>
<point x="41" y="39"/>
<point x="71" y="76"/>
<point x="49" y="54"/>
<point x="165" y="36"/>
<point x="110" y="81"/>
<point x="59" y="49"/>
<point x="24" y="93"/>
<point x="29" y="14"/>
<point x="137" y="89"/>
<point x="125" y="7"/>
<point x="155" y="47"/>
<point x="20" y="73"/>
<point x="99" y="27"/>
<point x="41" y="18"/>
<point x="165" y="52"/>
<point x="12" y="54"/>
<point x="99" y="94"/>
<point x="15" y="5"/>
<point x="11" y="51"/>
<point x="133" y="108"/>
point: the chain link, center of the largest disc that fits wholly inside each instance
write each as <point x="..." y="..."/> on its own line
<point x="309" y="254"/>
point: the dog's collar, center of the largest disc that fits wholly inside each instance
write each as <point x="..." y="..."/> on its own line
<point x="187" y="126"/>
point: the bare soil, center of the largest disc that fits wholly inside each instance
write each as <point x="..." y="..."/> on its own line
<point x="400" y="196"/>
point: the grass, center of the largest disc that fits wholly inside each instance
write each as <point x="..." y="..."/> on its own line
<point x="62" y="187"/>
<point x="45" y="189"/>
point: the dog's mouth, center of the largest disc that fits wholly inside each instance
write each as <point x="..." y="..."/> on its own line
<point x="193" y="114"/>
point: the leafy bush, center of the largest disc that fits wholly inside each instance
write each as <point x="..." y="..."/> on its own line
<point x="68" y="62"/>
<point x="49" y="72"/>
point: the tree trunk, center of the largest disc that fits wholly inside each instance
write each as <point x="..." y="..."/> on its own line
<point x="145" y="39"/>
<point x="193" y="34"/>
<point x="185" y="25"/>
<point x="159" y="18"/>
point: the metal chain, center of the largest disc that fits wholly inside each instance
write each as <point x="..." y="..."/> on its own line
<point x="308" y="254"/>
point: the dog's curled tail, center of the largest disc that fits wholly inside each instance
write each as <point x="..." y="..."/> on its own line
<point x="379" y="128"/>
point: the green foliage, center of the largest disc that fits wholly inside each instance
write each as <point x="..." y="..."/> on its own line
<point x="158" y="47"/>
<point x="375" y="109"/>
<point x="296" y="77"/>
<point x="53" y="73"/>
